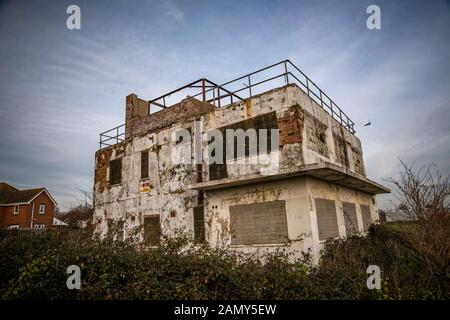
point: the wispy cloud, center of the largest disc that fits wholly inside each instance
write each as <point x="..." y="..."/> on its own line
<point x="60" y="88"/>
<point x="172" y="12"/>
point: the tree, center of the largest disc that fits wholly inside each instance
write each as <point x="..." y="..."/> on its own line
<point x="425" y="196"/>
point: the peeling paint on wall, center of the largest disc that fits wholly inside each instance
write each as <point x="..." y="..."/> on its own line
<point x="307" y="135"/>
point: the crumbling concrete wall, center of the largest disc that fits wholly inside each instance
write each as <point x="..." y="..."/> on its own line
<point x="307" y="135"/>
<point x="166" y="193"/>
<point x="298" y="194"/>
<point x="167" y="196"/>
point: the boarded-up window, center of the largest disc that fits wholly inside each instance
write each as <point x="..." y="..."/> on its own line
<point x="367" y="220"/>
<point x="266" y="121"/>
<point x="259" y="223"/>
<point x="350" y="218"/>
<point x="217" y="171"/>
<point x="115" y="171"/>
<point x="326" y="219"/>
<point x="152" y="230"/>
<point x="144" y="164"/>
<point x="199" y="224"/>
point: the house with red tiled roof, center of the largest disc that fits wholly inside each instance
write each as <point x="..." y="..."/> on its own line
<point x="25" y="209"/>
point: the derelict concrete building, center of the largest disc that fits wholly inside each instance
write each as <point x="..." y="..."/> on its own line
<point x="311" y="187"/>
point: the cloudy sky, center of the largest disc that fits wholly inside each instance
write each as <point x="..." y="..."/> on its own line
<point x="60" y="88"/>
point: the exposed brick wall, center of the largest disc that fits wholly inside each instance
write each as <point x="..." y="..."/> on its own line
<point x="291" y="124"/>
<point x="326" y="219"/>
<point x="102" y="158"/>
<point x="259" y="223"/>
<point x="2" y="216"/>
<point x="138" y="122"/>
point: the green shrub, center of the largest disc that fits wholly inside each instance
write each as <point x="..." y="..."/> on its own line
<point x="34" y="267"/>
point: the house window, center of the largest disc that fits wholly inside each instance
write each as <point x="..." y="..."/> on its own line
<point x="326" y="219"/>
<point x="16" y="209"/>
<point x="144" y="164"/>
<point x="199" y="224"/>
<point x="39" y="226"/>
<point x="152" y="230"/>
<point x="259" y="223"/>
<point x="41" y="208"/>
<point x="115" y="171"/>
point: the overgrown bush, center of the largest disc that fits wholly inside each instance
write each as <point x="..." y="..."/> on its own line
<point x="33" y="266"/>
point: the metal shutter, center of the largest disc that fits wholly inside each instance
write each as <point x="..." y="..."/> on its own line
<point x="259" y="223"/>
<point x="326" y="219"/>
<point x="152" y="230"/>
<point x="199" y="224"/>
<point x="366" y="218"/>
<point x="350" y="219"/>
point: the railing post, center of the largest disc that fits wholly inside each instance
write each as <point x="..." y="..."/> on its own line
<point x="321" y="99"/>
<point x="249" y="86"/>
<point x="203" y="90"/>
<point x="117" y="134"/>
<point x="307" y="86"/>
<point x="218" y="95"/>
<point x="286" y="75"/>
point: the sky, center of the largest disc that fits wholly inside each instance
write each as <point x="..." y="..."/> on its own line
<point x="60" y="88"/>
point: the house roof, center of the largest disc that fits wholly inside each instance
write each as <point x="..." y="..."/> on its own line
<point x="12" y="196"/>
<point x="5" y="190"/>
<point x="57" y="222"/>
<point x="78" y="215"/>
<point x="6" y="186"/>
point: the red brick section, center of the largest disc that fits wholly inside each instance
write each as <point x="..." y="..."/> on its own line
<point x="47" y="217"/>
<point x="2" y="216"/>
<point x="138" y="121"/>
<point x="102" y="158"/>
<point x="290" y="125"/>
<point x="23" y="218"/>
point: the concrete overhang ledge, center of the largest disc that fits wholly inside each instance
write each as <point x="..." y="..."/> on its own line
<point x="325" y="171"/>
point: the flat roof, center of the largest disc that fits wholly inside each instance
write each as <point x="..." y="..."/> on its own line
<point x="325" y="171"/>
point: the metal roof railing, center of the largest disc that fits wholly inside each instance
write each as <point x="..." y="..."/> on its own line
<point x="236" y="90"/>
